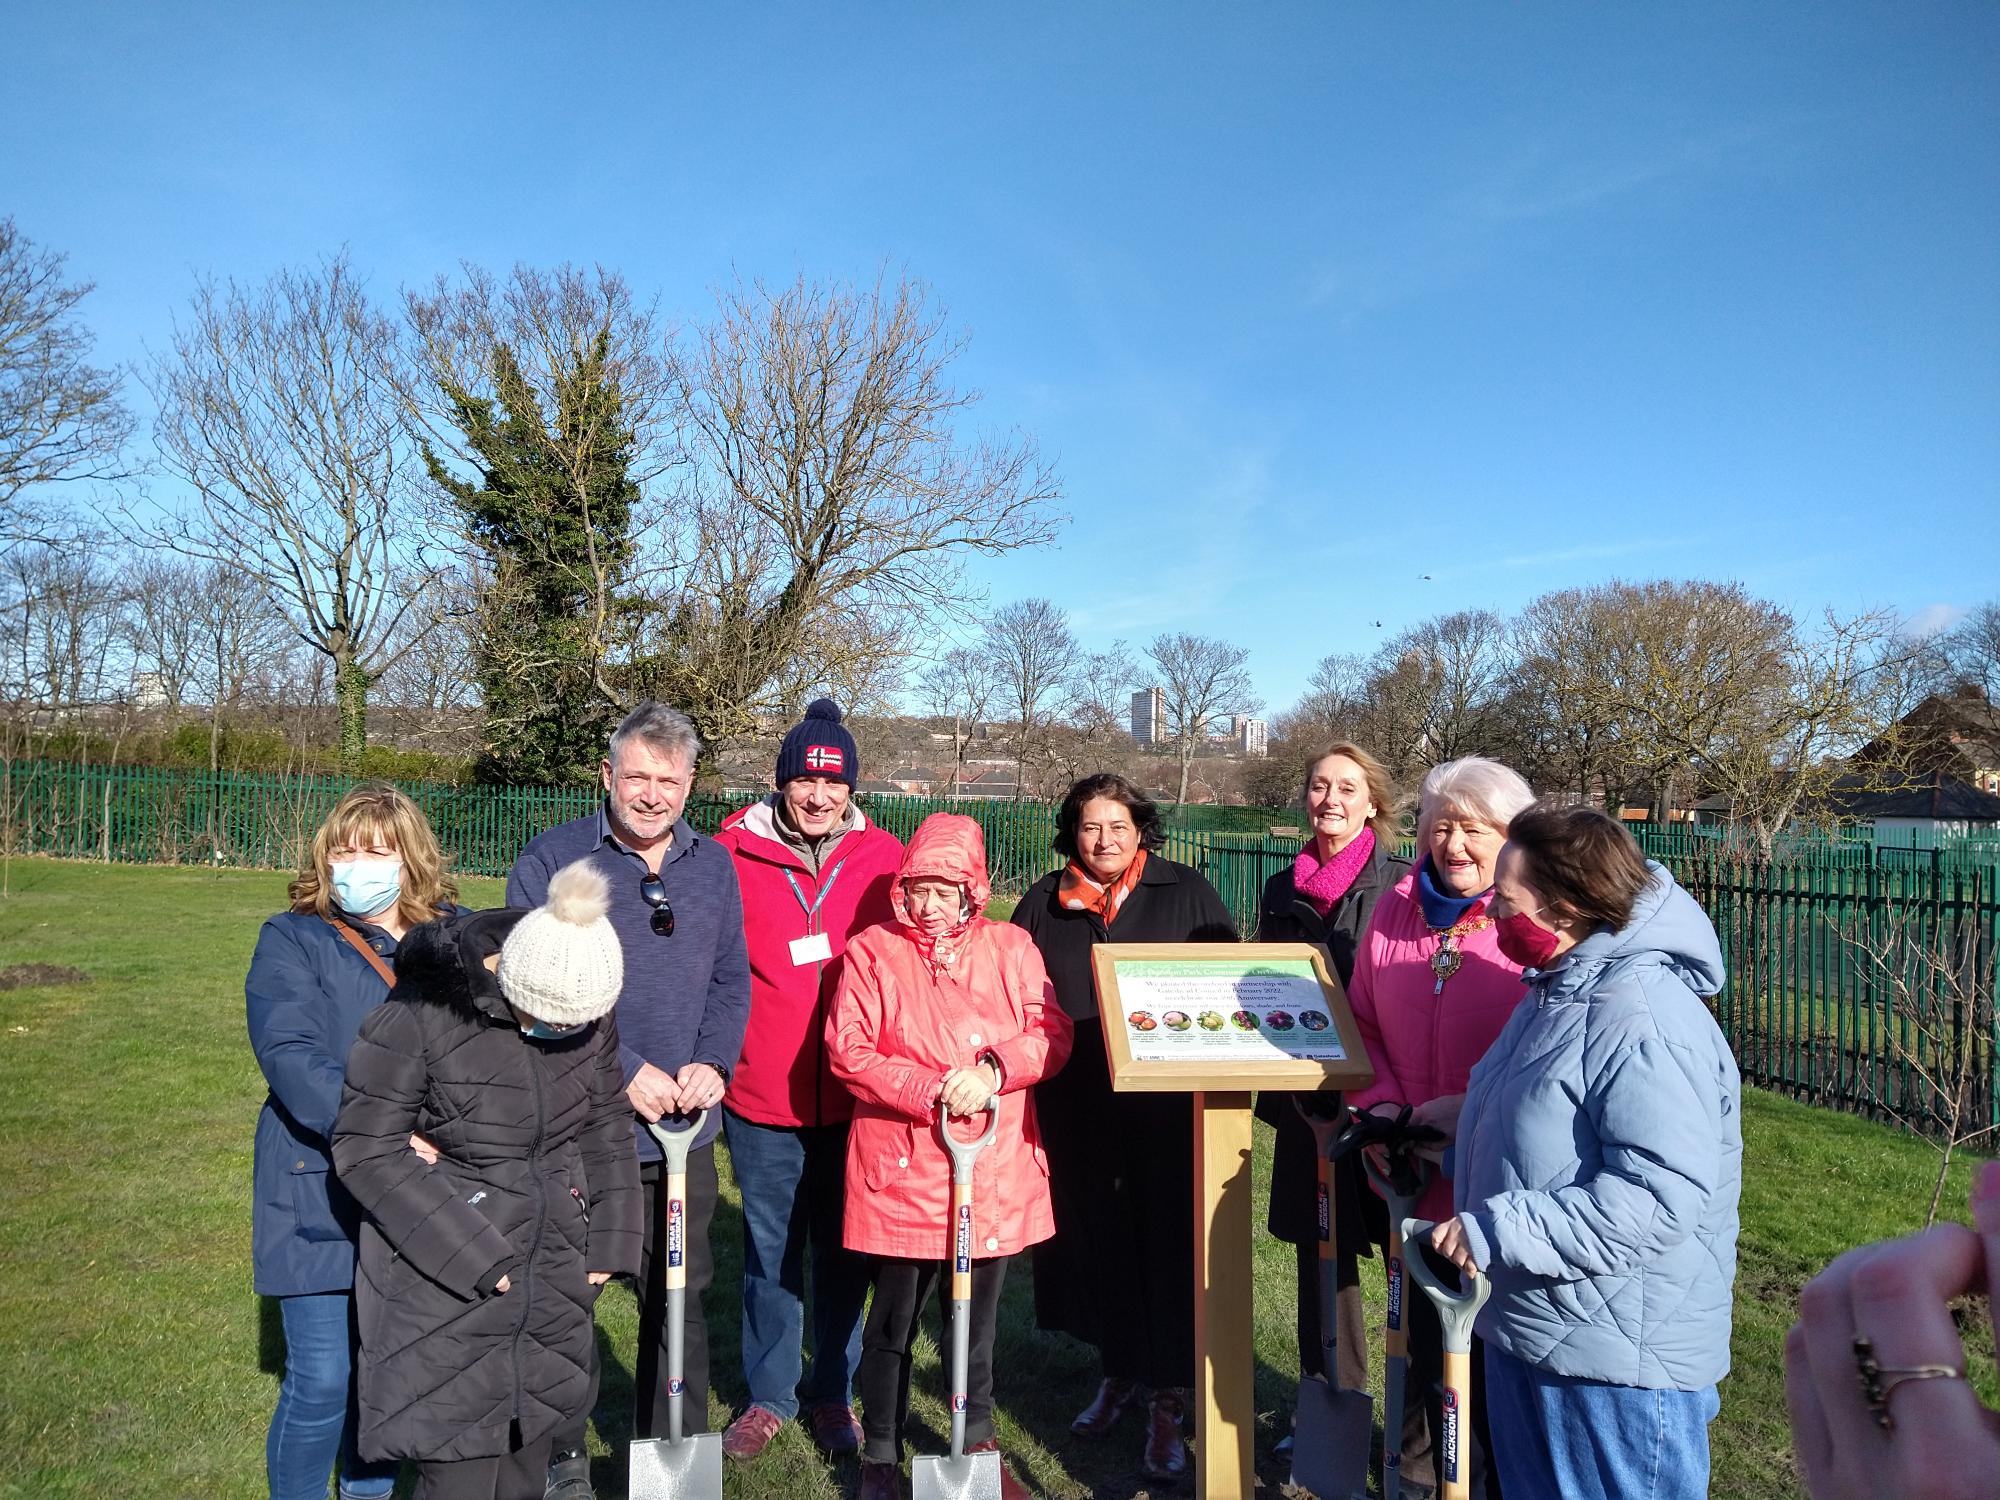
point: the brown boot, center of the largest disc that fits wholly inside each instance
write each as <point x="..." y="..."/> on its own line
<point x="1106" y="1407"/>
<point x="1010" y="1487"/>
<point x="880" y="1482"/>
<point x="1166" y="1455"/>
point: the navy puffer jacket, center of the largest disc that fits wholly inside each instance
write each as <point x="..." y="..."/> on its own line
<point x="305" y="996"/>
<point x="1600" y="1156"/>
<point x="536" y="1181"/>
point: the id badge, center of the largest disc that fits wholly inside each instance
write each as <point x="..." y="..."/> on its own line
<point x="815" y="949"/>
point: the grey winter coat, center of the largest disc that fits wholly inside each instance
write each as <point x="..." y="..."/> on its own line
<point x="536" y="1180"/>
<point x="1600" y="1154"/>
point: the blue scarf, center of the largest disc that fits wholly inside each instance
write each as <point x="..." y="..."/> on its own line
<point x="1442" y="909"/>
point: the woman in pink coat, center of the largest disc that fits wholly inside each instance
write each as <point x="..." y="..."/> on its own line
<point x="939" y="1008"/>
<point x="1431" y="991"/>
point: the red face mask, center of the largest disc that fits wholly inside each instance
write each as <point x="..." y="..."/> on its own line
<point x="1524" y="940"/>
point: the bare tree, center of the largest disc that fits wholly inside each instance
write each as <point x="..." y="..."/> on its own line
<point x="1032" y="651"/>
<point x="960" y="685"/>
<point x="1092" y="734"/>
<point x="61" y="418"/>
<point x="242" y="641"/>
<point x="64" y="610"/>
<point x="831" y="472"/>
<point x="282" y="407"/>
<point x="1201" y="678"/>
<point x="1972" y="649"/>
<point x="1568" y="716"/>
<point x="1925" y="960"/>
<point x="167" y="648"/>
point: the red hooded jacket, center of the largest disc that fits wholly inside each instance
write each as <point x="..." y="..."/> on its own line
<point x="782" y="1078"/>
<point x="902" y="1019"/>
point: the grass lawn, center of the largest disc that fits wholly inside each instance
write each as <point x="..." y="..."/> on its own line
<point x="134" y="1358"/>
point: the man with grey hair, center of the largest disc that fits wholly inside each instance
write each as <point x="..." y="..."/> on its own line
<point x="678" y="914"/>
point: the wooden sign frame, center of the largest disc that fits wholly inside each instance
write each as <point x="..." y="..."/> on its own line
<point x="1225" y="1396"/>
<point x="1224" y="1074"/>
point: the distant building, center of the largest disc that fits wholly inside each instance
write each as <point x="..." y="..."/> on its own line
<point x="1954" y="735"/>
<point x="1926" y="805"/>
<point x="1253" y="737"/>
<point x="1149" y="716"/>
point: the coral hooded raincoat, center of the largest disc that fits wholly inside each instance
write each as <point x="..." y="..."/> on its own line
<point x="907" y="1012"/>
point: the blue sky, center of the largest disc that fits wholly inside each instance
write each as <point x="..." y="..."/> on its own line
<point x="1307" y="300"/>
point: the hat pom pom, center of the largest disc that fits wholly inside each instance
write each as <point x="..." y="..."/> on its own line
<point x="579" y="895"/>
<point x="823" y="708"/>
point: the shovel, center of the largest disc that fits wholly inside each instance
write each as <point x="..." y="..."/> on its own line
<point x="676" y="1467"/>
<point x="1409" y="1174"/>
<point x="1334" y="1428"/>
<point x="1456" y="1310"/>
<point x="961" y="1475"/>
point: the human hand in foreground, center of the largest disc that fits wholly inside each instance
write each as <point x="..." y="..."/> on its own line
<point x="701" y="1087"/>
<point x="1448" y="1239"/>
<point x="598" y="1278"/>
<point x="425" y="1150"/>
<point x="1892" y="1298"/>
<point x="653" y="1092"/>
<point x="1440" y="1114"/>
<point x="502" y="1284"/>
<point x="966" y="1090"/>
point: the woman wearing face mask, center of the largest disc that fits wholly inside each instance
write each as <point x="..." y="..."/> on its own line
<point x="1430" y="992"/>
<point x="939" y="1008"/>
<point x="1599" y="1160"/>
<point x="1119" y="1273"/>
<point x="372" y="872"/>
<point x="481" y="1260"/>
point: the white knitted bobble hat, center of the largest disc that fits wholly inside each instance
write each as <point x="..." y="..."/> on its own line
<point x="562" y="962"/>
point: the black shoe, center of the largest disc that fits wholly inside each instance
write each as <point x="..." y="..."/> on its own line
<point x="569" y="1477"/>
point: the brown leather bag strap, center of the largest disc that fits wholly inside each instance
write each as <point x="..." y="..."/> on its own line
<point x="360" y="945"/>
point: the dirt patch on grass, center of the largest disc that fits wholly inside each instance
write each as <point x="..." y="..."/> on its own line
<point x="30" y="976"/>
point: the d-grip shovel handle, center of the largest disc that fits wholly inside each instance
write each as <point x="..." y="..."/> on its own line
<point x="1385" y="1184"/>
<point x="674" y="1143"/>
<point x="674" y="1148"/>
<point x="963" y="1152"/>
<point x="1456" y="1308"/>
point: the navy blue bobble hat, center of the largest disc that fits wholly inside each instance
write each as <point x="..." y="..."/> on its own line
<point x="819" y="746"/>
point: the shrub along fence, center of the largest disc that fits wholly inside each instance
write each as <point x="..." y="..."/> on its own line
<point x="1860" y="976"/>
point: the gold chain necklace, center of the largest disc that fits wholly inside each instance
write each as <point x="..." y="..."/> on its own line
<point x="1447" y="959"/>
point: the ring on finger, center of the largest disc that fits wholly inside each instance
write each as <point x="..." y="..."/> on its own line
<point x="1878" y="1380"/>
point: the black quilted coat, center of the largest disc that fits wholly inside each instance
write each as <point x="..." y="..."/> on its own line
<point x="536" y="1180"/>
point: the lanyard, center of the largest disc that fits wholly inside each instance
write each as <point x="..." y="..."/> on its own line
<point x="812" y="910"/>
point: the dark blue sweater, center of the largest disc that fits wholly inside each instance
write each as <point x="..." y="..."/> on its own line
<point x="686" y="997"/>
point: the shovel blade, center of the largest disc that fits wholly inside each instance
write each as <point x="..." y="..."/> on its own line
<point x="691" y="1469"/>
<point x="1330" y="1445"/>
<point x="975" y="1476"/>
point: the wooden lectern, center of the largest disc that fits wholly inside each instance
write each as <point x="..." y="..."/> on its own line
<point x="1220" y="1021"/>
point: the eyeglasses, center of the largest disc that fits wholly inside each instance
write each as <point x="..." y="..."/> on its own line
<point x="653" y="891"/>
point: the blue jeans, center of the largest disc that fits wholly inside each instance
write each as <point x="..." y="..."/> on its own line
<point x="1556" y="1437"/>
<point x="315" y="1420"/>
<point x="793" y="1182"/>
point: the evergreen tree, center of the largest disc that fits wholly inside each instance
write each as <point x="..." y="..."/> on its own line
<point x="552" y="511"/>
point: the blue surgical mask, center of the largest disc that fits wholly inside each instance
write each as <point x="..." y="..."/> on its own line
<point x="367" y="887"/>
<point x="546" y="1032"/>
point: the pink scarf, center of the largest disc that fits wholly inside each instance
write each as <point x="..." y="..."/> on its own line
<point x="1324" y="884"/>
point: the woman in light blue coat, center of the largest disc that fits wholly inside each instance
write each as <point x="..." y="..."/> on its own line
<point x="1598" y="1159"/>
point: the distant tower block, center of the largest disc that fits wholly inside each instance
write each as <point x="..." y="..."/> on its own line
<point x="1149" y="716"/>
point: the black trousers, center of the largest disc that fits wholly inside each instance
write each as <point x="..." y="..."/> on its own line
<point x="901" y="1289"/>
<point x="650" y="1394"/>
<point x="519" y="1475"/>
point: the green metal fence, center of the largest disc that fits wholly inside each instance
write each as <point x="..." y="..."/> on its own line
<point x="1861" y="974"/>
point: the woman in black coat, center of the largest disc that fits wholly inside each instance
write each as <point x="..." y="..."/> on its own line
<point x="1326" y="898"/>
<point x="479" y="1269"/>
<point x="1120" y="1271"/>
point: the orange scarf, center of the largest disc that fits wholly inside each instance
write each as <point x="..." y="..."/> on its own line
<point x="1081" y="891"/>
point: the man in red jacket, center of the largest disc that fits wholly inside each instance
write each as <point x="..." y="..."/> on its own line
<point x="814" y="872"/>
